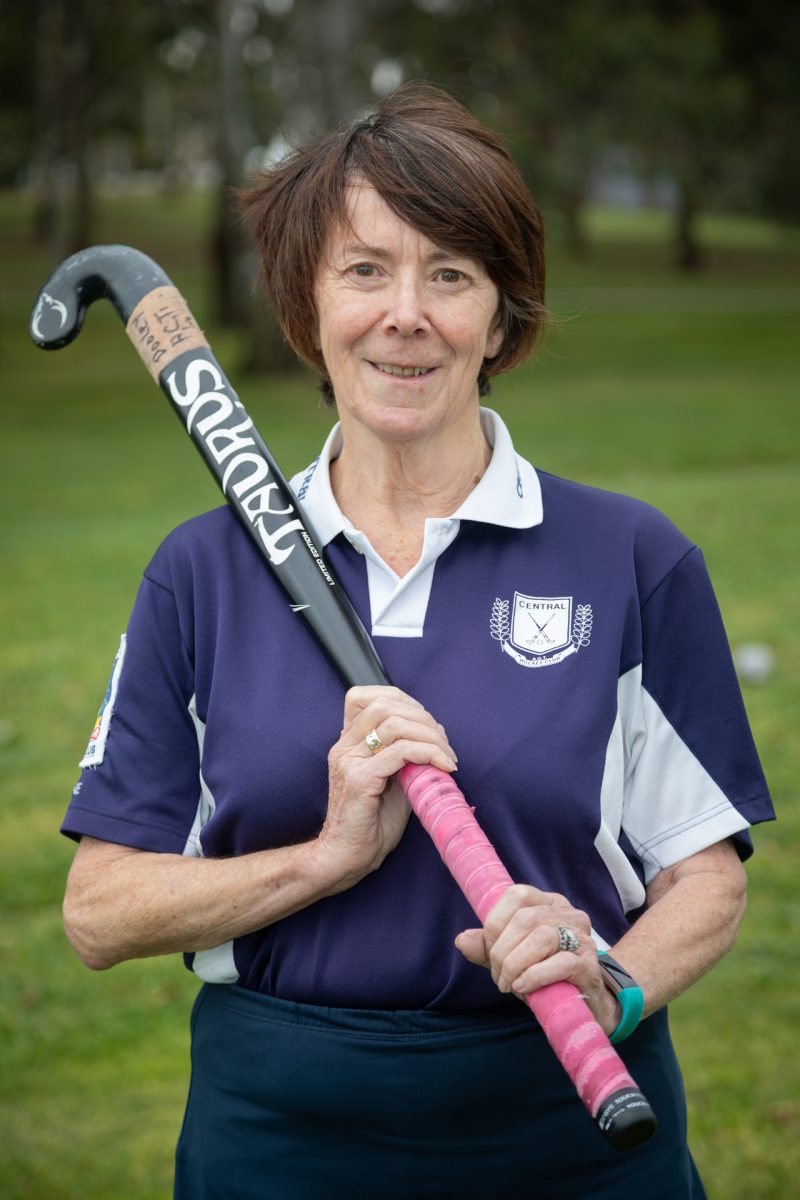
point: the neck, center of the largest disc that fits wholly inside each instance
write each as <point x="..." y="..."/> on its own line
<point x="388" y="488"/>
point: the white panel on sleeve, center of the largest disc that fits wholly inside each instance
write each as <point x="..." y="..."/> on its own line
<point x="672" y="807"/>
<point x="206" y="805"/>
<point x="612" y="791"/>
<point x="217" y="964"/>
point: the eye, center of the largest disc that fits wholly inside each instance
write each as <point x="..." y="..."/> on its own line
<point x="451" y="275"/>
<point x="364" y="270"/>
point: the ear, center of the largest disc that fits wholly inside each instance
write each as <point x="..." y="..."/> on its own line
<point x="495" y="339"/>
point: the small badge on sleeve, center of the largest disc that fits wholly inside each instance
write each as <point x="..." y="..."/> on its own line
<point x="99" y="736"/>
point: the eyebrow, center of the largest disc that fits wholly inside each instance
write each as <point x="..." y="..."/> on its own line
<point x="435" y="256"/>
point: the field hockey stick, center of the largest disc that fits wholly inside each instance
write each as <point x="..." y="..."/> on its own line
<point x="177" y="355"/>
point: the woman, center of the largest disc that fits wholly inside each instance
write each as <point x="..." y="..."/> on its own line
<point x="561" y="645"/>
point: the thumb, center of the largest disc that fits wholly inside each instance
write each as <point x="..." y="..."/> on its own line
<point x="472" y="945"/>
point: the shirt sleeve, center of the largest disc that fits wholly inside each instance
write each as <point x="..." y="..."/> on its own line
<point x="693" y="777"/>
<point x="140" y="784"/>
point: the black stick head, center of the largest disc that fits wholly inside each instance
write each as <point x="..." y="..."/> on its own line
<point x="120" y="273"/>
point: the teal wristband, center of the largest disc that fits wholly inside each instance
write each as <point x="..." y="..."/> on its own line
<point x="627" y="992"/>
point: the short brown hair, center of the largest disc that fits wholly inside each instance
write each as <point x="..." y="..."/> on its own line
<point x="442" y="172"/>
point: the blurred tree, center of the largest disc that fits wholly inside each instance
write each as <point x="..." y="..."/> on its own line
<point x="686" y="116"/>
<point x="312" y="83"/>
<point x="762" y="45"/>
<point x="87" y="66"/>
<point x="327" y="34"/>
<point x="700" y="92"/>
<point x="18" y="22"/>
<point x="566" y="84"/>
<point x="551" y="77"/>
<point x="564" y="79"/>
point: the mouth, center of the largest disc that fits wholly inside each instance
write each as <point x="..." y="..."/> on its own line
<point x="400" y="372"/>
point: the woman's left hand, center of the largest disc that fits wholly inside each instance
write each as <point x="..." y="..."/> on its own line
<point x="519" y="943"/>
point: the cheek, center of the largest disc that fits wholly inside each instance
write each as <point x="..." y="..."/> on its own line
<point x="472" y="333"/>
<point x="471" y="341"/>
<point x="343" y="324"/>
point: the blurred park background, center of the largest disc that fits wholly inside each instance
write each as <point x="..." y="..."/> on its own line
<point x="660" y="140"/>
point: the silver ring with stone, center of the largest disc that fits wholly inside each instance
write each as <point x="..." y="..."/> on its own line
<point x="567" y="939"/>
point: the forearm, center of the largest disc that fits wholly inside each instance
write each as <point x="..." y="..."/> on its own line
<point x="123" y="904"/>
<point x="691" y="922"/>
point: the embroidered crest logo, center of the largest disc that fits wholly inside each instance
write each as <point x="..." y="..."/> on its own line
<point x="542" y="626"/>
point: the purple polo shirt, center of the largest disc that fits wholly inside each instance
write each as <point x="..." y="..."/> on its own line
<point x="567" y="638"/>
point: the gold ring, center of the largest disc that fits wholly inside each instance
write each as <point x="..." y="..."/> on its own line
<point x="374" y="743"/>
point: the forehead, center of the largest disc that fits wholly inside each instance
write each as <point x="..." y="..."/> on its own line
<point x="369" y="223"/>
<point x="364" y="206"/>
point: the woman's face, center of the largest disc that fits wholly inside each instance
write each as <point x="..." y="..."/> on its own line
<point x="403" y="325"/>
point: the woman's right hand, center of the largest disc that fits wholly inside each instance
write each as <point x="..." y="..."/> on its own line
<point x="367" y="812"/>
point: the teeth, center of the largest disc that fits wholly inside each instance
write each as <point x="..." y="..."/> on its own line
<point x="392" y="370"/>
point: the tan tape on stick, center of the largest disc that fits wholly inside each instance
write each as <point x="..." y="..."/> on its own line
<point x="161" y="327"/>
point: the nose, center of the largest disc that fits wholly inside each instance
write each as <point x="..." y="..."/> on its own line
<point x="406" y="313"/>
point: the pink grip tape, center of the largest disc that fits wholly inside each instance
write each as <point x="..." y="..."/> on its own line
<point x="582" y="1048"/>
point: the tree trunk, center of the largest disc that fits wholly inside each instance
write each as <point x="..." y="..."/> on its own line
<point x="575" y="237"/>
<point x="267" y="349"/>
<point x="83" y="217"/>
<point x="330" y="30"/>
<point x="231" y="278"/>
<point x="48" y="218"/>
<point x="688" y="252"/>
<point x="78" y="124"/>
<point x="229" y="296"/>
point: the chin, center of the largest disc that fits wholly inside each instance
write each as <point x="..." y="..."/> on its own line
<point x="401" y="420"/>
<point x="399" y="424"/>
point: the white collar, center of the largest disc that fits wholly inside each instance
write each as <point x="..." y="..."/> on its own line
<point x="508" y="493"/>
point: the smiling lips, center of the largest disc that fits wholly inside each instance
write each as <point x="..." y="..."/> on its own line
<point x="392" y="369"/>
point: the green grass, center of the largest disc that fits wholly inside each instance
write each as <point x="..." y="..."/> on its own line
<point x="680" y="391"/>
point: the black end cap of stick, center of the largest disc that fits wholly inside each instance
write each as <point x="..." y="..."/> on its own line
<point x="625" y="1119"/>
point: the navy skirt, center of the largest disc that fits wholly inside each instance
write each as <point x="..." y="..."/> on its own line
<point x="294" y="1102"/>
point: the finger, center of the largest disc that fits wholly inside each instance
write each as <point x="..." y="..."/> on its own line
<point x="358" y="698"/>
<point x="532" y="934"/>
<point x="380" y="710"/>
<point x="525" y="940"/>
<point x="401" y="727"/>
<point x="472" y="944"/>
<point x="552" y="908"/>
<point x="395" y="756"/>
<point x="390" y="721"/>
<point x="353" y="772"/>
<point x="515" y="898"/>
<point x="531" y="963"/>
<point x="578" y="968"/>
<point x="370" y="704"/>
